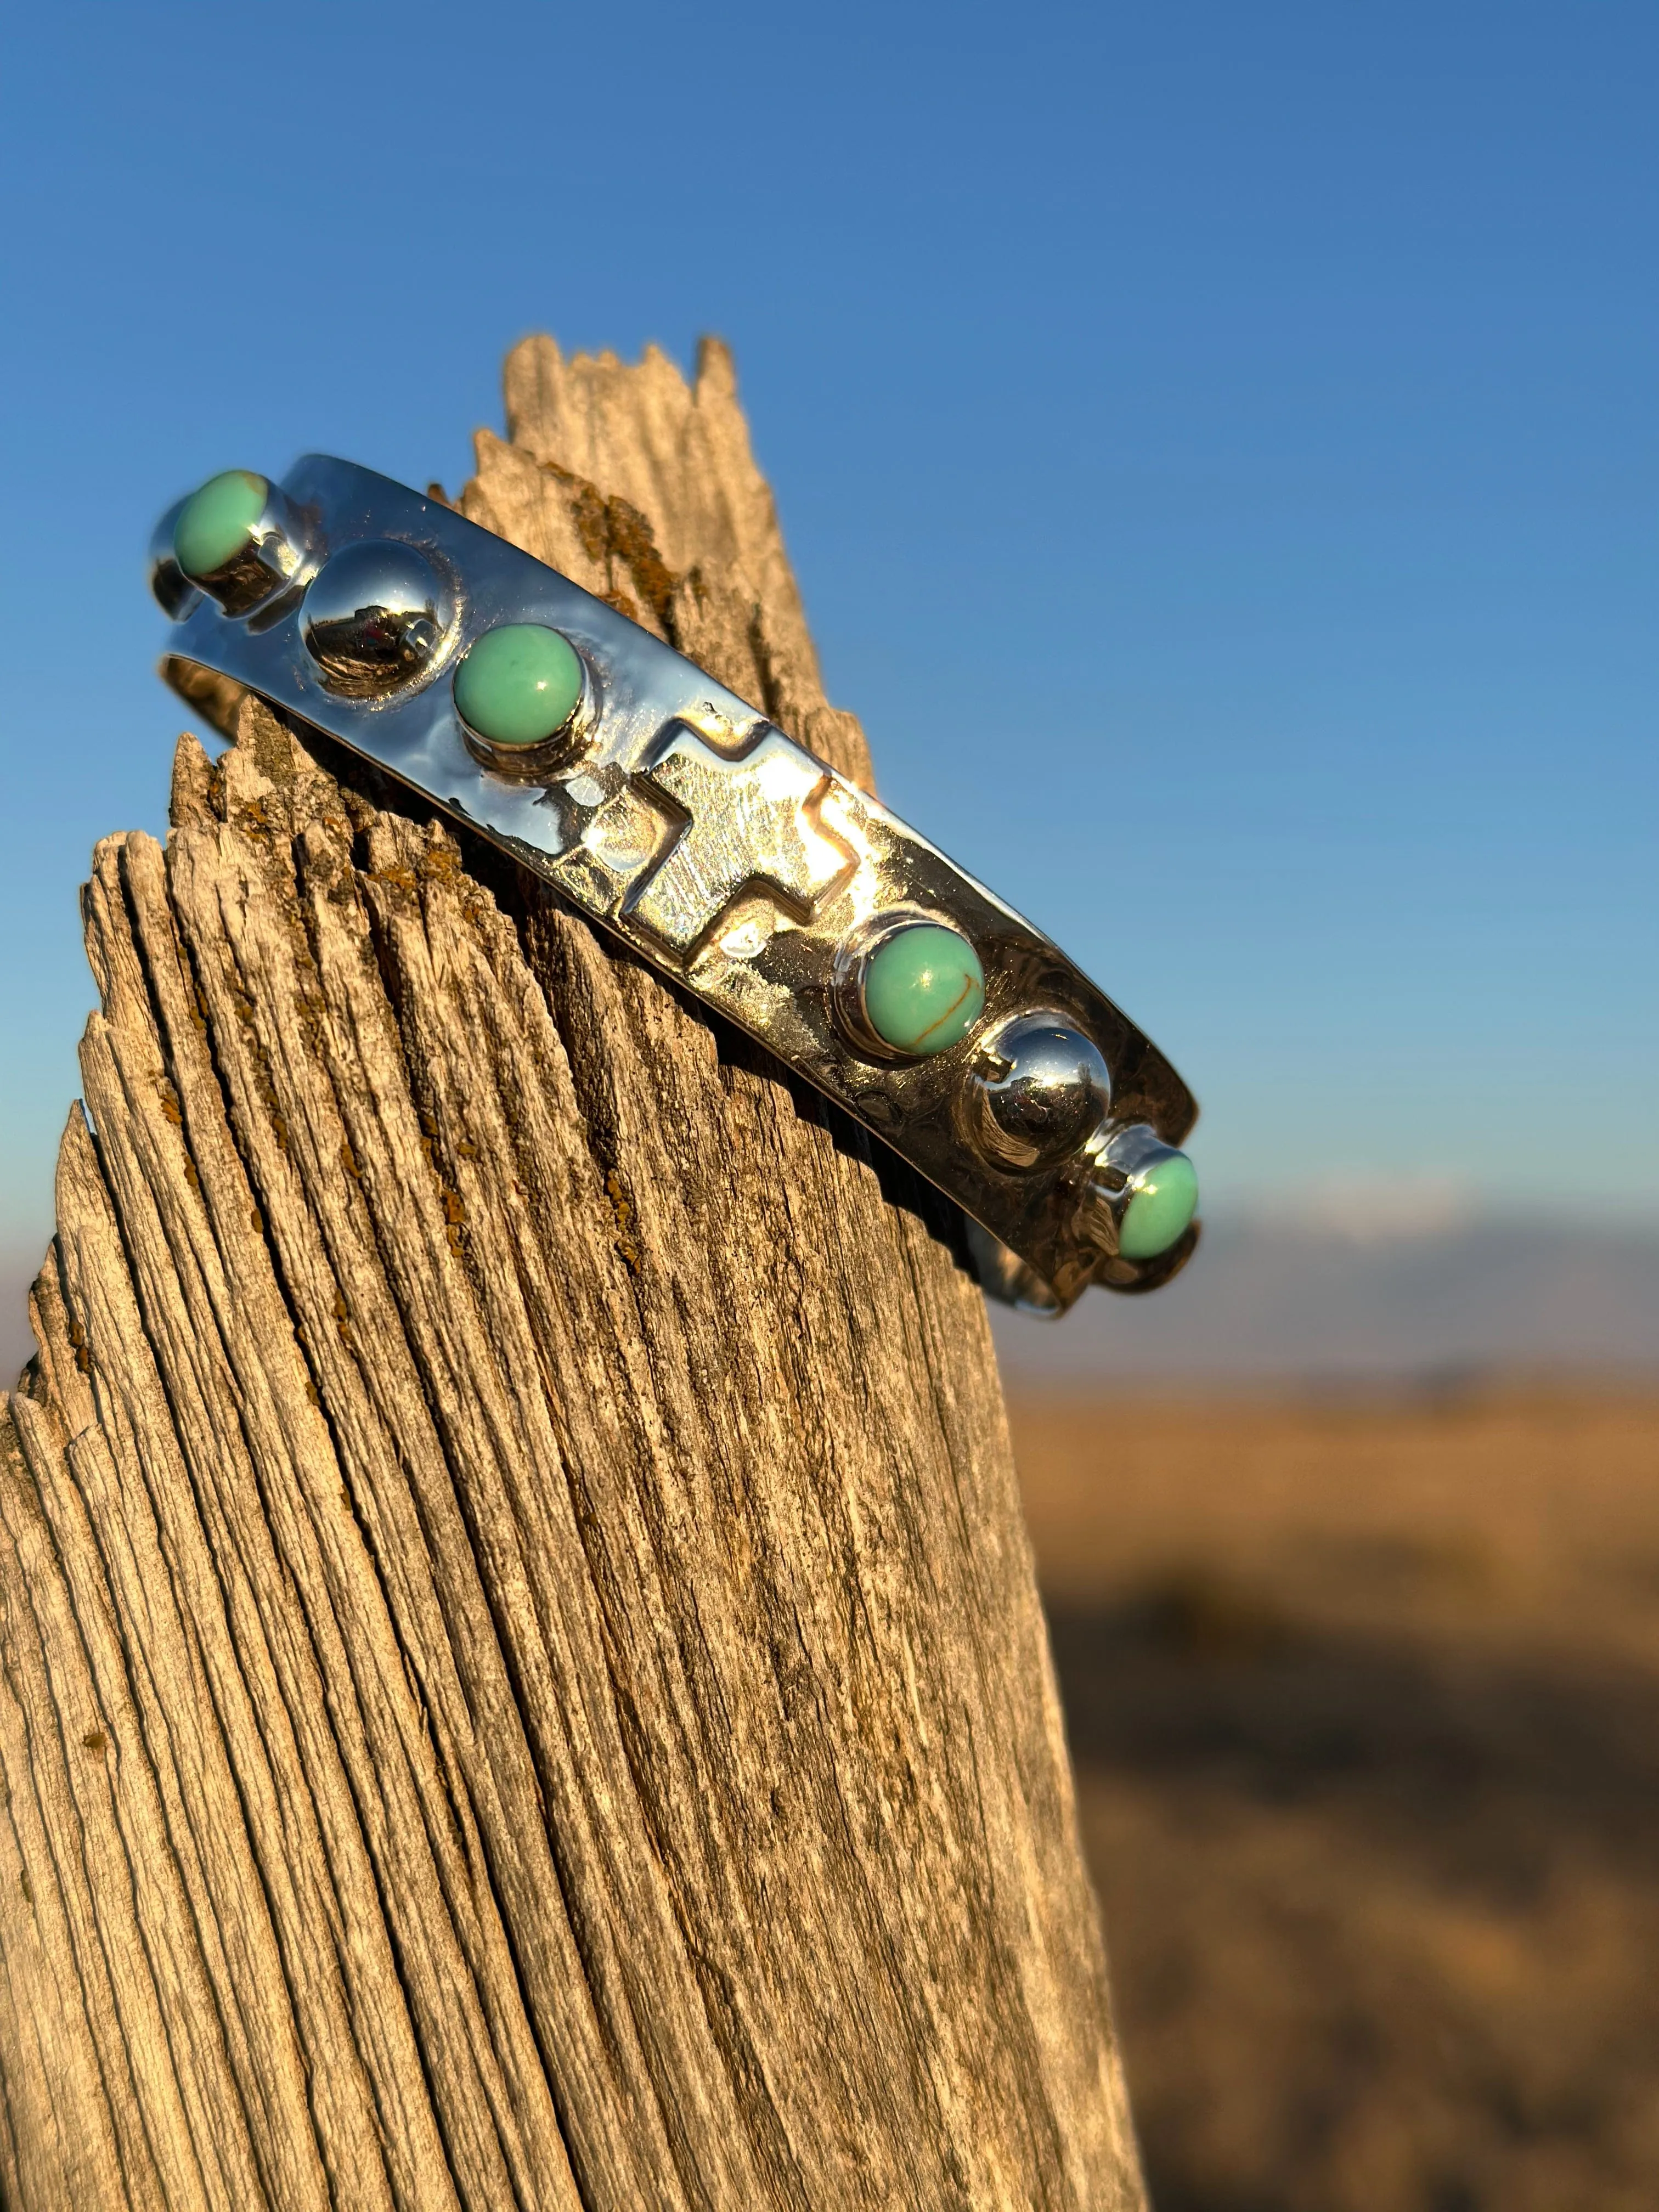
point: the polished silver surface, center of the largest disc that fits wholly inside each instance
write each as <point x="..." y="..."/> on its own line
<point x="753" y="826"/>
<point x="175" y="593"/>
<point x="723" y="852"/>
<point x="1035" y="1089"/>
<point x="375" y="618"/>
<point x="1007" y="1277"/>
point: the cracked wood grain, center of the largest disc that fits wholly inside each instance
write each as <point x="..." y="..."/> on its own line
<point x="521" y="1683"/>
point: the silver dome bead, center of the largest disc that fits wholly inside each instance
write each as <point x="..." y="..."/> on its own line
<point x="374" y="618"/>
<point x="1036" y="1088"/>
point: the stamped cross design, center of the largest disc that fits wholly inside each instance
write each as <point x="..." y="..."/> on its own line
<point x="752" y="825"/>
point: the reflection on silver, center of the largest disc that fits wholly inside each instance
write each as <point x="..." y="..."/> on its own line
<point x="1035" y="1089"/>
<point x="1005" y="1277"/>
<point x="724" y="853"/>
<point x="374" y="618"/>
<point x="173" y="592"/>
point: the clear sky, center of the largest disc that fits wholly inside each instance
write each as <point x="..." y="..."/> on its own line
<point x="1218" y="444"/>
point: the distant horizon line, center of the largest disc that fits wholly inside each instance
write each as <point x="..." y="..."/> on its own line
<point x="1413" y="1223"/>
<point x="1375" y="1215"/>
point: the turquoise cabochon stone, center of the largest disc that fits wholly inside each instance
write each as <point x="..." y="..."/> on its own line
<point x="923" y="989"/>
<point x="519" y="684"/>
<point x="1161" y="1208"/>
<point x="217" y="520"/>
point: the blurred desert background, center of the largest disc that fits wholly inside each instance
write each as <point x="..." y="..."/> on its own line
<point x="1351" y="1549"/>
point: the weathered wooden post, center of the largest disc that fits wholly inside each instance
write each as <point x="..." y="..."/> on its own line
<point x="523" y="1684"/>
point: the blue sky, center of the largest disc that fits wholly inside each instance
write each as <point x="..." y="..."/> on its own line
<point x="1218" y="444"/>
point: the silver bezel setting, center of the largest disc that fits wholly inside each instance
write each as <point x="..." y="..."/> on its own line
<point x="852" y="967"/>
<point x="279" y="558"/>
<point x="1120" y="1159"/>
<point x="554" y="756"/>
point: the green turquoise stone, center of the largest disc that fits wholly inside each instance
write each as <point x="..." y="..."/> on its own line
<point x="1158" y="1214"/>
<point x="215" y="522"/>
<point x="519" y="684"/>
<point x="923" y="988"/>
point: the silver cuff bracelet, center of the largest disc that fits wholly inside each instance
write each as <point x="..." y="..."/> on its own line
<point x="728" y="856"/>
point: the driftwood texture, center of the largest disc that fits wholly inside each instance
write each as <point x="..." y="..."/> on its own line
<point x="523" y="1683"/>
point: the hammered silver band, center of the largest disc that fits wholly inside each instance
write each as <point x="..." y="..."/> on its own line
<point x="668" y="811"/>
